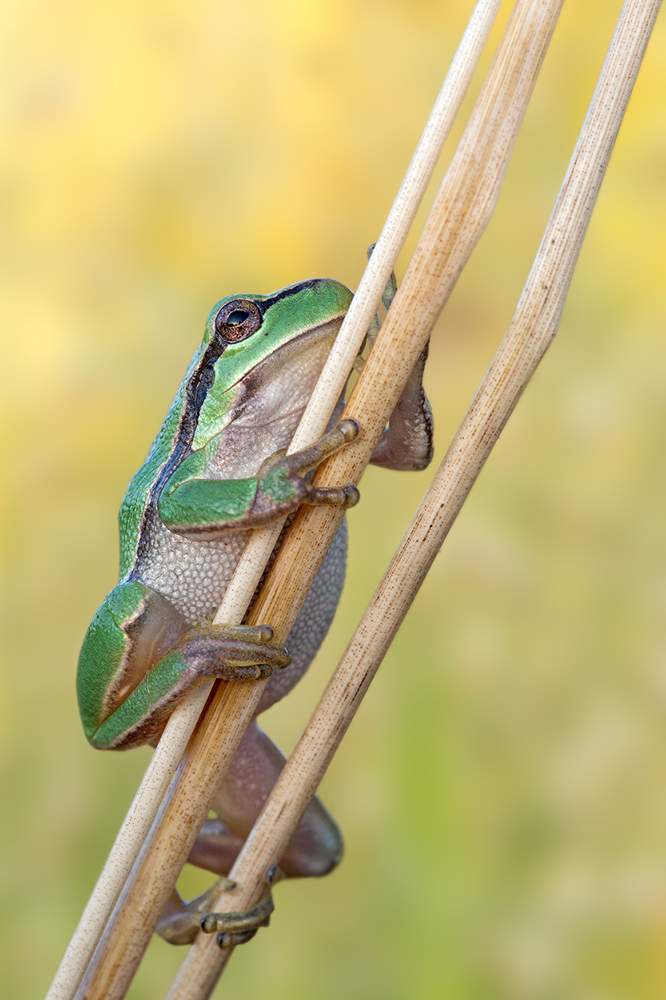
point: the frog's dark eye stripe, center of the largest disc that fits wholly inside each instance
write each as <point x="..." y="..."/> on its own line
<point x="237" y="320"/>
<point x="207" y="376"/>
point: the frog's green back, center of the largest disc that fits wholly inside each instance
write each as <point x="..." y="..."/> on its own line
<point x="136" y="498"/>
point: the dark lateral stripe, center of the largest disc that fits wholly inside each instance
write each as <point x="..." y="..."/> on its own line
<point x="286" y="293"/>
<point x="195" y="395"/>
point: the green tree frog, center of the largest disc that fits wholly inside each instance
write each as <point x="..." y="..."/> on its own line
<point x="217" y="469"/>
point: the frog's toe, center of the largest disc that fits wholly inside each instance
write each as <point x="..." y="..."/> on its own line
<point x="227" y="939"/>
<point x="254" y="673"/>
<point x="334" y="496"/>
<point x="236" y="653"/>
<point x="349" y="429"/>
<point x="237" y="928"/>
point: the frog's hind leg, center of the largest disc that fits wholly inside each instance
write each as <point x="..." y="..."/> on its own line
<point x="406" y="444"/>
<point x="314" y="849"/>
<point x="139" y="659"/>
<point x="216" y="848"/>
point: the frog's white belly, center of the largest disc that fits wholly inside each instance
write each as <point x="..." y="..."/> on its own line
<point x="194" y="576"/>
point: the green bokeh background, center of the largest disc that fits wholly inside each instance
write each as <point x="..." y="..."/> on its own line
<point x="501" y="791"/>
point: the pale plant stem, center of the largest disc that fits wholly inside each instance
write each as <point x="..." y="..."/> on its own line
<point x="137" y="824"/>
<point x="525" y="343"/>
<point x="464" y="205"/>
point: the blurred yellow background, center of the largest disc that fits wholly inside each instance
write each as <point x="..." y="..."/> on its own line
<point x="502" y="790"/>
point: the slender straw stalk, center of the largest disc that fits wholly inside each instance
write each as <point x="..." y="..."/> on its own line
<point x="530" y="333"/>
<point x="462" y="209"/>
<point x="174" y="740"/>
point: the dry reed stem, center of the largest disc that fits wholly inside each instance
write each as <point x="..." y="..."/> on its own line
<point x="468" y="193"/>
<point x="530" y="333"/>
<point x="136" y="826"/>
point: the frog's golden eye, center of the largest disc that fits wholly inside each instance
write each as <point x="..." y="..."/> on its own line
<point x="237" y="320"/>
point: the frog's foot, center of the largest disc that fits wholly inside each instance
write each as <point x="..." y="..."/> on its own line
<point x="180" y="922"/>
<point x="281" y="476"/>
<point x="231" y="652"/>
<point x="237" y="928"/>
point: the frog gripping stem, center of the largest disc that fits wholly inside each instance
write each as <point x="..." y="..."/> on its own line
<point x="237" y="928"/>
<point x="281" y="476"/>
<point x="203" y="509"/>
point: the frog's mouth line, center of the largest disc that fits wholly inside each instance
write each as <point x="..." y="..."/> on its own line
<point x="312" y="333"/>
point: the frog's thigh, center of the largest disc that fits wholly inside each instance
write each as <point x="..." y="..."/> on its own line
<point x="136" y="664"/>
<point x="216" y="848"/>
<point x="314" y="849"/>
<point x="406" y="444"/>
<point x="133" y="627"/>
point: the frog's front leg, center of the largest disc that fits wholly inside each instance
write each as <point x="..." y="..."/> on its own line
<point x="207" y="508"/>
<point x="140" y="657"/>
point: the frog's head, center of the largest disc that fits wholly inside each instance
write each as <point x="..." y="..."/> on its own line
<point x="253" y="326"/>
<point x="280" y="340"/>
